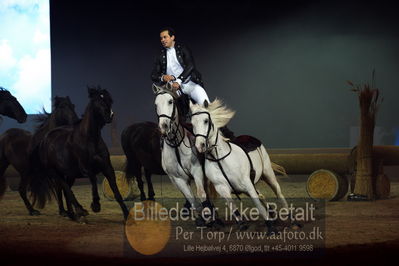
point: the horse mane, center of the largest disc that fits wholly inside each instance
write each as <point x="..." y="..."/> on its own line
<point x="4" y="92"/>
<point x="220" y="114"/>
<point x="96" y="91"/>
<point x="41" y="118"/>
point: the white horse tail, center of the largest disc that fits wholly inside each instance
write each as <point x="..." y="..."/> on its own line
<point x="265" y="158"/>
<point x="279" y="169"/>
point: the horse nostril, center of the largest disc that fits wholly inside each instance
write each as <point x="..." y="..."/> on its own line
<point x="202" y="145"/>
<point x="164" y="126"/>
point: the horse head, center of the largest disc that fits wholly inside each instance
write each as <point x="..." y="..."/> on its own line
<point x="9" y="106"/>
<point x="167" y="87"/>
<point x="166" y="109"/>
<point x="206" y="121"/>
<point x="101" y="104"/>
<point x="64" y="111"/>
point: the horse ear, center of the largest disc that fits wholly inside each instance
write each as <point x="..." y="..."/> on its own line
<point x="156" y="89"/>
<point x="56" y="100"/>
<point x="91" y="91"/>
<point x="206" y="104"/>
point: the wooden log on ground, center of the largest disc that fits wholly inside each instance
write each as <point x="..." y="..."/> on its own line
<point x="327" y="185"/>
<point x="382" y="187"/>
<point x="308" y="163"/>
<point x="128" y="189"/>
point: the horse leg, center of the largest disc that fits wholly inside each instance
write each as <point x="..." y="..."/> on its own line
<point x="78" y="208"/>
<point x="199" y="183"/>
<point x="184" y="187"/>
<point x="95" y="205"/>
<point x="109" y="173"/>
<point x="3" y="166"/>
<point x="58" y="191"/>
<point x="202" y="194"/>
<point x="71" y="200"/>
<point x="22" y="192"/>
<point x="133" y="168"/>
<point x="141" y="185"/>
<point x="225" y="192"/>
<point x="151" y="192"/>
<point x="61" y="209"/>
<point x="270" y="178"/>
<point x="262" y="209"/>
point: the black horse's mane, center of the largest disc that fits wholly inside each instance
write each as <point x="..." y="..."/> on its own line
<point x="41" y="118"/>
<point x="4" y="92"/>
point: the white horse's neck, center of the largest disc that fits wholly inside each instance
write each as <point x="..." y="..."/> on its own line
<point x="221" y="147"/>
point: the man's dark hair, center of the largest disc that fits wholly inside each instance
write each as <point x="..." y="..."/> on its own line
<point x="170" y="31"/>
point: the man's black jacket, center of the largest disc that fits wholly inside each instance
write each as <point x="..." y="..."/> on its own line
<point x="185" y="59"/>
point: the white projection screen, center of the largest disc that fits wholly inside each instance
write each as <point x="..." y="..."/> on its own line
<point x="25" y="63"/>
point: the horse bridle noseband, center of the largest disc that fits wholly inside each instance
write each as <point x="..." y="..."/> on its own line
<point x="172" y="116"/>
<point x="172" y="142"/>
<point x="210" y="148"/>
<point x="210" y="126"/>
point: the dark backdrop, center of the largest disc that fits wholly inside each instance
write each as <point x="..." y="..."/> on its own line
<point x="283" y="67"/>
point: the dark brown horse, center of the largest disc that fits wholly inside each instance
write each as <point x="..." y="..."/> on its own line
<point x="9" y="106"/>
<point x="141" y="144"/>
<point x="16" y="144"/>
<point x="76" y="151"/>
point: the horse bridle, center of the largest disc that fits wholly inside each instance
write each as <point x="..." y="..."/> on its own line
<point x="172" y="117"/>
<point x="209" y="156"/>
<point x="210" y="126"/>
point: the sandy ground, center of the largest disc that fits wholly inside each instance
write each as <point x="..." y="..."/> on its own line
<point x="354" y="230"/>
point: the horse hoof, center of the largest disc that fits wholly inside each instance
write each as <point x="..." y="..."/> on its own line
<point x="84" y="212"/>
<point x="143" y="198"/>
<point x="81" y="220"/>
<point x="64" y="214"/>
<point x="34" y="213"/>
<point x="151" y="198"/>
<point x="243" y="226"/>
<point x="296" y="226"/>
<point x="70" y="215"/>
<point x="199" y="221"/>
<point x="96" y="207"/>
<point x="271" y="231"/>
<point x="217" y="224"/>
<point x="185" y="212"/>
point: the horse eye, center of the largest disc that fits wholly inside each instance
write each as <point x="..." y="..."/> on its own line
<point x="170" y="101"/>
<point x="206" y="121"/>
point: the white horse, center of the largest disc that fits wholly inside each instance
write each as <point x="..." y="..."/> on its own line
<point x="179" y="156"/>
<point x="227" y="165"/>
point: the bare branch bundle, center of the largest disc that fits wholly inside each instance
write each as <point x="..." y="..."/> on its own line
<point x="369" y="101"/>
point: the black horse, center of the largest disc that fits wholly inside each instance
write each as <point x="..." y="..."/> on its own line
<point x="141" y="144"/>
<point x="16" y="144"/>
<point x="76" y="151"/>
<point x="9" y="106"/>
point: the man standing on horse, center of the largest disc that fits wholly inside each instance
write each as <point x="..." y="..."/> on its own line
<point x="175" y="64"/>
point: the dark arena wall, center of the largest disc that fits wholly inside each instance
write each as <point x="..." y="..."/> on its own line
<point x="282" y="66"/>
